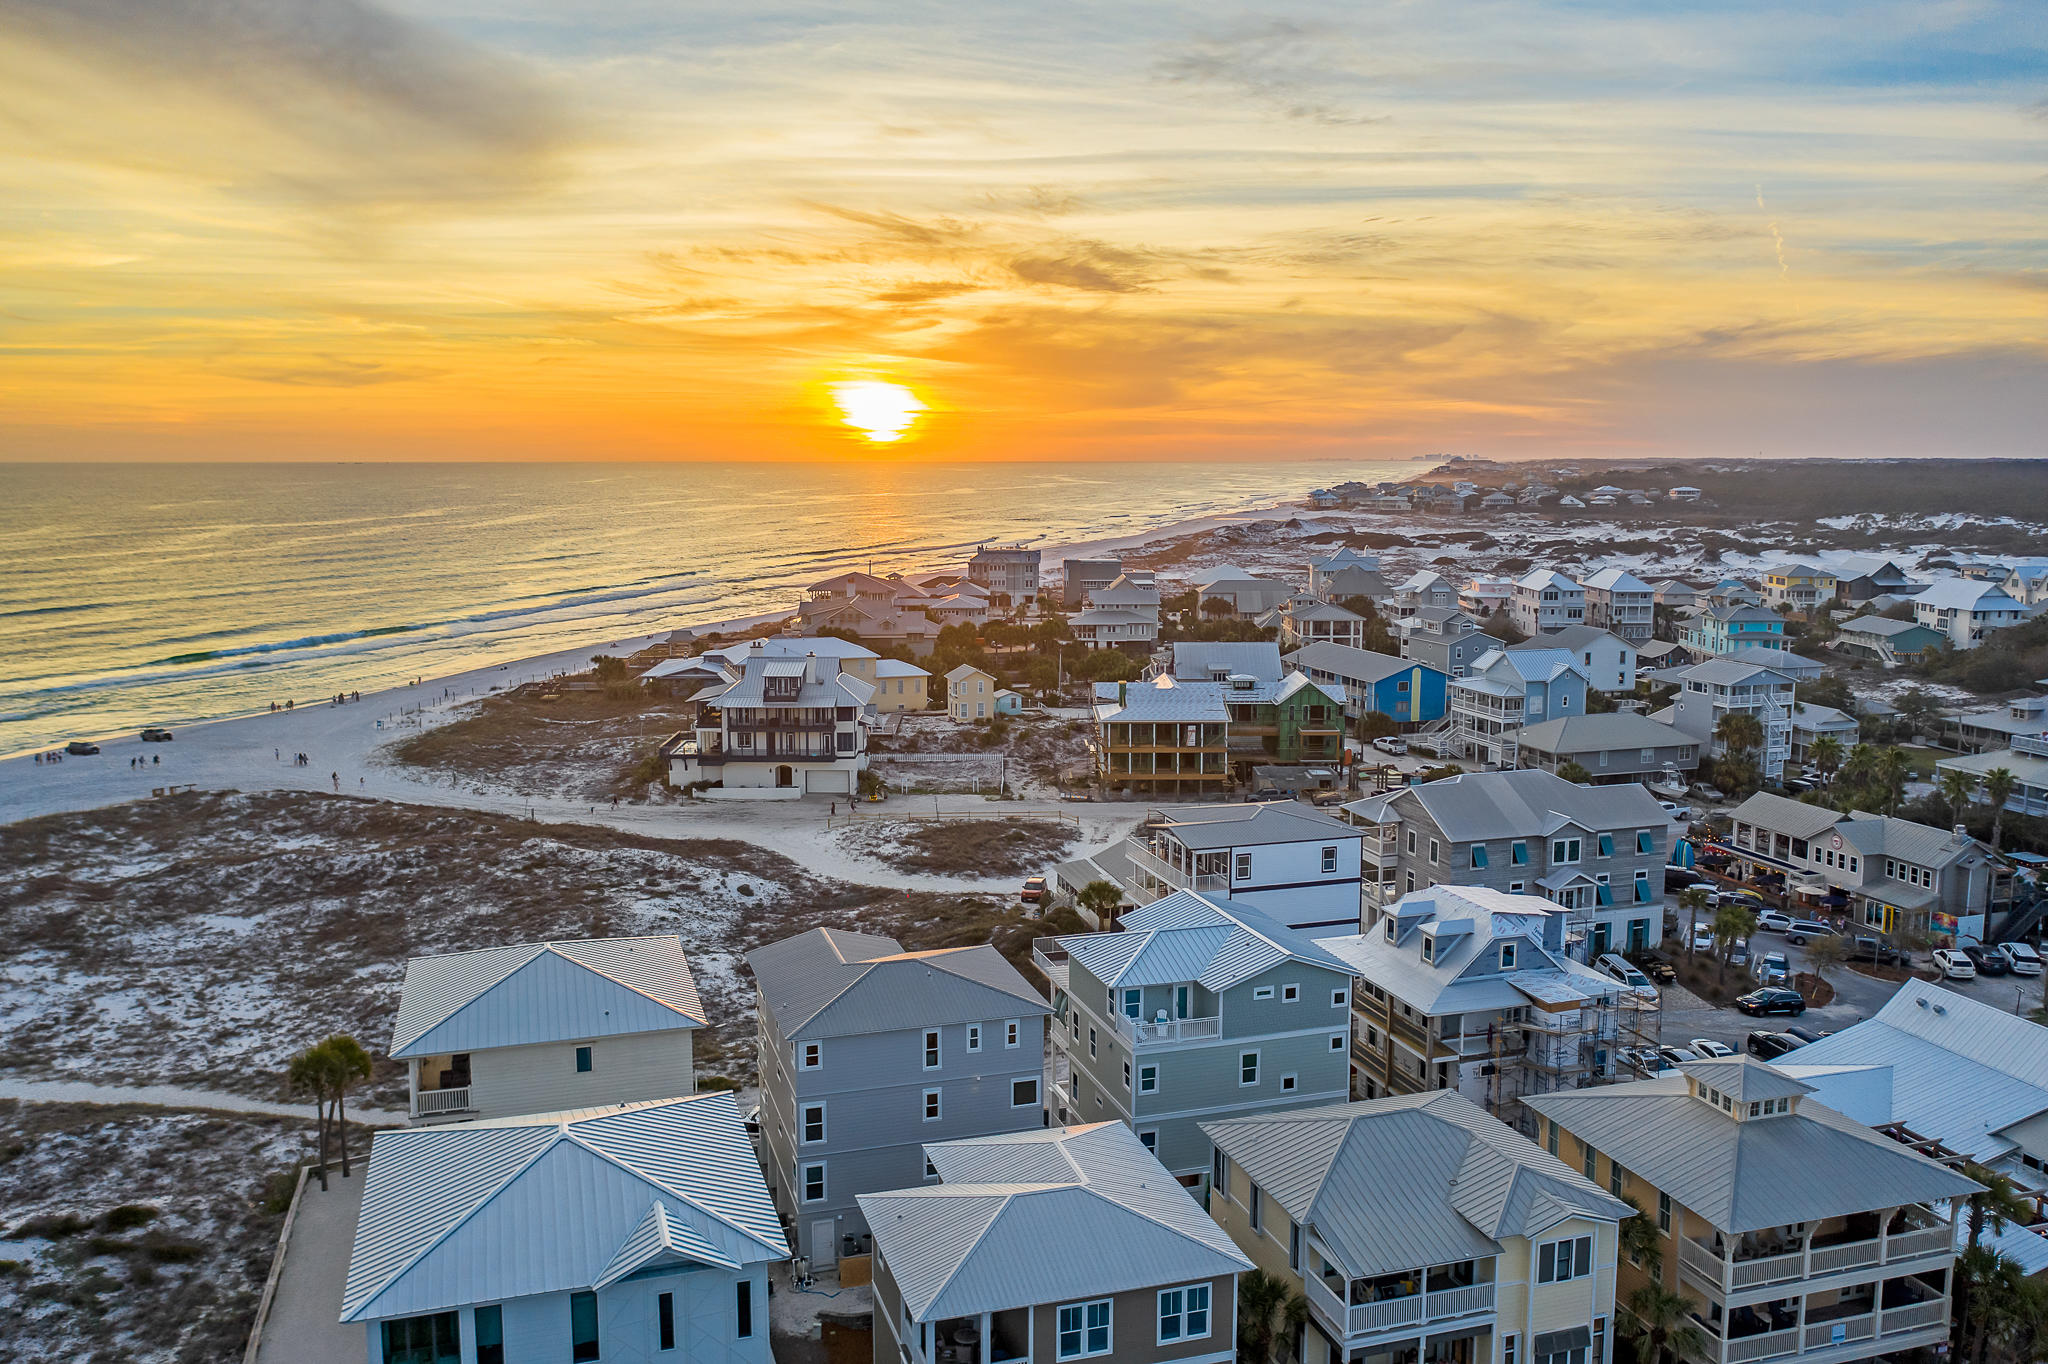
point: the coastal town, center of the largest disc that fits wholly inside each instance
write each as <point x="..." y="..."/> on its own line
<point x="1530" y="914"/>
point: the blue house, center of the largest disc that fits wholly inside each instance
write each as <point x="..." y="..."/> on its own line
<point x="1724" y="629"/>
<point x="1410" y="692"/>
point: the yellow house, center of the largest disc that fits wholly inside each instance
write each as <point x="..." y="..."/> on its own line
<point x="1798" y="586"/>
<point x="970" y="693"/>
<point x="1421" y="1230"/>
<point x="1791" y="1230"/>
<point x="900" y="686"/>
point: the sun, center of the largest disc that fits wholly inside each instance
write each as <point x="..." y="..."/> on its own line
<point x="881" y="412"/>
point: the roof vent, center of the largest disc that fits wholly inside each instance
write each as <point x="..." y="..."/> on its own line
<point x="1941" y="1008"/>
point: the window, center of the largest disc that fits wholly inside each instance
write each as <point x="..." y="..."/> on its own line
<point x="1592" y="1158"/>
<point x="1336" y="1041"/>
<point x="1134" y="1004"/>
<point x="1013" y="1033"/>
<point x="1127" y="1074"/>
<point x="1507" y="956"/>
<point x="1287" y="1083"/>
<point x="974" y="1037"/>
<point x="1024" y="1093"/>
<point x="1553" y="1138"/>
<point x="490" y="1335"/>
<point x="931" y="1171"/>
<point x="814" y="1122"/>
<point x="1607" y="845"/>
<point x="1091" y="1040"/>
<point x="1084" y="1329"/>
<point x="1411" y="886"/>
<point x="1646" y="842"/>
<point x="1411" y="841"/>
<point x="1183" y="1313"/>
<point x="1479" y="856"/>
<point x="1148" y="1079"/>
<point x="931" y="1105"/>
<point x="423" y="1340"/>
<point x="1519" y="854"/>
<point x="1340" y="999"/>
<point x="1564" y="850"/>
<point x="1248" y="1068"/>
<point x="665" y="1320"/>
<point x="1599" y="1340"/>
<point x="1329" y="859"/>
<point x="1220" y="1175"/>
<point x="582" y="1326"/>
<point x="1289" y="994"/>
<point x="1515" y="887"/>
<point x="583" y="1060"/>
<point x="1507" y="1349"/>
<point x="1244" y="866"/>
<point x="1262" y="992"/>
<point x="1432" y="852"/>
<point x="1428" y="947"/>
<point x="931" y="1049"/>
<point x="1254" y="1205"/>
<point x="813" y="1055"/>
<point x="1664" y="1212"/>
<point x="1615" y="1176"/>
<point x="1561" y="1261"/>
<point x="814" y="1182"/>
<point x="1149" y="1139"/>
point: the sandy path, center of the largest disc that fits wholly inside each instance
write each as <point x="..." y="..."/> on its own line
<point x="170" y="1096"/>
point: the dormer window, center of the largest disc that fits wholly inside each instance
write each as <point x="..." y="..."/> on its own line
<point x="1390" y="930"/>
<point x="1507" y="956"/>
<point x="1429" y="947"/>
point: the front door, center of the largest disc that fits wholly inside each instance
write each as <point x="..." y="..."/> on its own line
<point x="785" y="776"/>
<point x="824" y="1243"/>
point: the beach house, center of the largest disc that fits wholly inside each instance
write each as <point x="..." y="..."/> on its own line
<point x="783" y="728"/>
<point x="1008" y="573"/>
<point x="1307" y="620"/>
<point x="1964" y="611"/>
<point x="1894" y="643"/>
<point x="1617" y="746"/>
<point x="535" y="1027"/>
<point x="1859" y="577"/>
<point x="1709" y="692"/>
<point x="970" y="693"/>
<point x="1163" y="736"/>
<point x="1248" y="595"/>
<point x="1797" y="587"/>
<point x="866" y="1053"/>
<point x="1622" y="604"/>
<point x="1080" y="577"/>
<point x="1295" y="864"/>
<point x="1402" y="689"/>
<point x="1446" y="640"/>
<point x="1609" y="660"/>
<point x="1727" y="626"/>
<point x="1347" y="573"/>
<point x="1505" y="690"/>
<point x="1545" y="599"/>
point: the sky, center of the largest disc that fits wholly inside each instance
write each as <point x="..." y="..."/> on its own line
<point x="438" y="229"/>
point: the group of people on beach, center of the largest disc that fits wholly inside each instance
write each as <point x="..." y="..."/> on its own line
<point x="54" y="756"/>
<point x="342" y="698"/>
<point x="153" y="760"/>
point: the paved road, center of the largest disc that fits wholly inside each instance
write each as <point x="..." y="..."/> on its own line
<point x="304" y="1325"/>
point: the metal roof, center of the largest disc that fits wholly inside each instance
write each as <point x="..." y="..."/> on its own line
<point x="831" y="689"/>
<point x="1253" y="824"/>
<point x="1966" y="594"/>
<point x="544" y="992"/>
<point x="831" y="983"/>
<point x="1165" y="699"/>
<point x="1574" y="638"/>
<point x="553" y="1202"/>
<point x="1746" y="1175"/>
<point x="1354" y="665"/>
<point x="1963" y="1072"/>
<point x="1204" y="661"/>
<point x="1617" y="580"/>
<point x="1729" y="673"/>
<point x="1742" y="1079"/>
<point x="1519" y="804"/>
<point x="1619" y="729"/>
<point x="1185" y="937"/>
<point x="1016" y="1217"/>
<point x="1409" y="1181"/>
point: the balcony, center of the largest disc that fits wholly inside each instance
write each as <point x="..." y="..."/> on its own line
<point x="1842" y="1331"/>
<point x="1142" y="1032"/>
<point x="1422" y="1307"/>
<point x="436" y="1103"/>
<point x="1722" y="1278"/>
<point x="1145" y="860"/>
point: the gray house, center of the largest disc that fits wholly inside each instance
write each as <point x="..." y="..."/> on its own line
<point x="1196" y="1010"/>
<point x="1615" y="746"/>
<point x="1444" y="638"/>
<point x="1597" y="850"/>
<point x="868" y="1052"/>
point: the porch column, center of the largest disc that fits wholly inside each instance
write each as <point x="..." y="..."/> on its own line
<point x="986" y="1348"/>
<point x="1884" y="1233"/>
<point x="412" y="1087"/>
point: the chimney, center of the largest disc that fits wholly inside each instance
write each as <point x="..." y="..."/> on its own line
<point x="811" y="667"/>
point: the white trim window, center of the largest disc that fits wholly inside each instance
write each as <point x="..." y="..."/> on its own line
<point x="813" y="1124"/>
<point x="933" y="1105"/>
<point x="811" y="1055"/>
<point x="1084" y="1329"/>
<point x="1290" y="994"/>
<point x="1013" y="1031"/>
<point x="1243" y="867"/>
<point x="1262" y="992"/>
<point x="1340" y="999"/>
<point x="1247" y="1068"/>
<point x="1329" y="860"/>
<point x="812" y="1182"/>
<point x="933" y="1052"/>
<point x="974" y="1037"/>
<point x="1183" y="1313"/>
<point x="1148" y="1079"/>
<point x="1024" y="1093"/>
<point x="1563" y="1261"/>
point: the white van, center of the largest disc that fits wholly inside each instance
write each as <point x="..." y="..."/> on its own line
<point x="1616" y="965"/>
<point x="2021" y="957"/>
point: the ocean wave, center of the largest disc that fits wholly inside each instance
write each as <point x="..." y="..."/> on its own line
<point x="278" y="646"/>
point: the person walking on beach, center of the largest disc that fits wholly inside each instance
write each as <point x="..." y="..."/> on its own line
<point x="337" y="783"/>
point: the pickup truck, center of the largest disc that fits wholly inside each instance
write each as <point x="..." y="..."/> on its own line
<point x="1867" y="948"/>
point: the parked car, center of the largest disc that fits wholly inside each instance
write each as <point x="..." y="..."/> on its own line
<point x="1991" y="963"/>
<point x="1774" y="921"/>
<point x="1772" y="999"/>
<point x="1739" y="895"/>
<point x="1617" y="966"/>
<point x="1738" y="952"/>
<point x="1655" y="966"/>
<point x="1708" y="1050"/>
<point x="1771" y="967"/>
<point x="156" y="735"/>
<point x="1703" y="937"/>
<point x="1679" y="878"/>
<point x="79" y="748"/>
<point x="1674" y="1056"/>
<point x="1391" y="743"/>
<point x="1799" y="1032"/>
<point x="1034" y="890"/>
<point x="1954" y="965"/>
<point x="2021" y="957"/>
<point x="1866" y="947"/>
<point x="1680" y="814"/>
<point x="1768" y="1046"/>
<point x="1800" y="930"/>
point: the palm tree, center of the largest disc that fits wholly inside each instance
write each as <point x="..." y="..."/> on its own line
<point x="307" y="1074"/>
<point x="1660" y="1320"/>
<point x="1998" y="788"/>
<point x="1956" y="789"/>
<point x="1739" y="732"/>
<point x="1999" y="1205"/>
<point x="1692" y="899"/>
<point x="1994" y="1293"/>
<point x="1268" y="1316"/>
<point x="349" y="1064"/>
<point x="1641" y="1242"/>
<point x="1731" y="922"/>
<point x="1825" y="754"/>
<point x="328" y="1071"/>
<point x="1893" y="767"/>
<point x="1101" y="899"/>
<point x="1575" y="773"/>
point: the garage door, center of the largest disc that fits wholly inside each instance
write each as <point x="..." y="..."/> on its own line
<point x="828" y="781"/>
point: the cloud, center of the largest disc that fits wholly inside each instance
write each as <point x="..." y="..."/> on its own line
<point x="1093" y="268"/>
<point x="1277" y="65"/>
<point x="339" y="101"/>
<point x="926" y="291"/>
<point x="329" y="372"/>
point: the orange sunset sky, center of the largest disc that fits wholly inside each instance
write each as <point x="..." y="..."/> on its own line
<point x="235" y="229"/>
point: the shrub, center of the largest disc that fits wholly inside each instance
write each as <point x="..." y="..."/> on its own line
<point x="127" y="1217"/>
<point x="50" y="1227"/>
<point x="710" y="1084"/>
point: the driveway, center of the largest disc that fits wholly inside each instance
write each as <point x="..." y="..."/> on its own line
<point x="304" y="1325"/>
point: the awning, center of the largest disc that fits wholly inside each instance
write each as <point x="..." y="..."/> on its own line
<point x="1558" y="1342"/>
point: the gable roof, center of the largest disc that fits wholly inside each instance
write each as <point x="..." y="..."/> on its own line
<point x="1966" y="594"/>
<point x="1409" y="1181"/>
<point x="1006" y="1226"/>
<point x="1165" y="698"/>
<point x="544" y="992"/>
<point x="1619" y="729"/>
<point x="1353" y="665"/>
<point x="1186" y="937"/>
<point x="1617" y="580"/>
<point x="1526" y="803"/>
<point x="554" y="1202"/>
<point x="832" y="983"/>
<point x="1576" y="638"/>
<point x="1250" y="824"/>
<point x="1748" y="1175"/>
<point x="1203" y="661"/>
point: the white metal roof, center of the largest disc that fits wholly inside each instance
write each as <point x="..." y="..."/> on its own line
<point x="487" y="1211"/>
<point x="1185" y="937"/>
<point x="544" y="992"/>
<point x="1042" y="1217"/>
<point x="831" y="983"/>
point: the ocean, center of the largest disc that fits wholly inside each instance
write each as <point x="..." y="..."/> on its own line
<point x="140" y="594"/>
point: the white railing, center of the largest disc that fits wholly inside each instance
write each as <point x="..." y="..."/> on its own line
<point x="1141" y="856"/>
<point x="1908" y="1245"/>
<point x="1171" y="1030"/>
<point x="1766" y="1346"/>
<point x="1834" y="1259"/>
<point x="1840" y="1331"/>
<point x="1726" y="1276"/>
<point x="1368" y="1317"/>
<point x="428" y="1102"/>
<point x="1913" y="1316"/>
